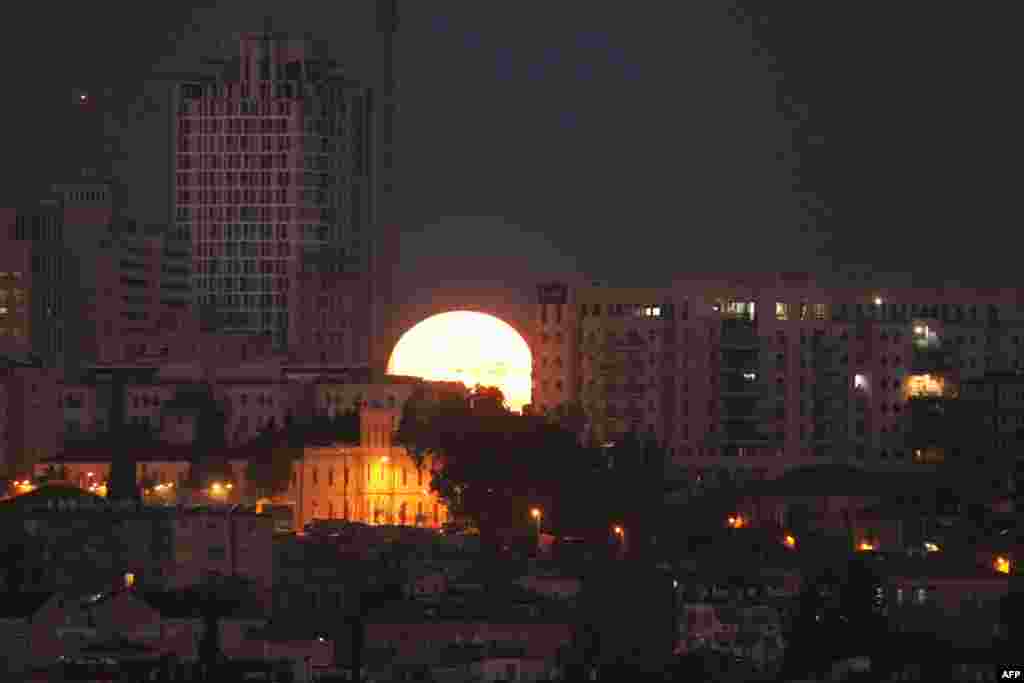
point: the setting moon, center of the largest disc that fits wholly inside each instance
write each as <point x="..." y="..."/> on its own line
<point x="468" y="347"/>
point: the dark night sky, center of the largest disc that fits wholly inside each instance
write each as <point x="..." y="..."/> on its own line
<point x="626" y="141"/>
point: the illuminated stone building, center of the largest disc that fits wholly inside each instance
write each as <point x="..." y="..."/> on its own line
<point x="761" y="373"/>
<point x="375" y="482"/>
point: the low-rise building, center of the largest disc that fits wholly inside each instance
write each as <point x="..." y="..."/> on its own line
<point x="73" y="538"/>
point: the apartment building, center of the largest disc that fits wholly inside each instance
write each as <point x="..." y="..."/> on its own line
<point x="761" y="373"/>
<point x="78" y="539"/>
<point x="15" y="291"/>
<point x="28" y="394"/>
<point x="273" y="160"/>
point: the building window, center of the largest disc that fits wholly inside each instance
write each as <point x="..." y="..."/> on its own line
<point x="314" y="475"/>
<point x="330" y="476"/>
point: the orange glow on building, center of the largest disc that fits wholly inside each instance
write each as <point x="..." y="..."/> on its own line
<point x="790" y="541"/>
<point x="737" y="521"/>
<point x="468" y="347"/>
<point x="866" y="546"/>
<point x="926" y="385"/>
<point x="1002" y="565"/>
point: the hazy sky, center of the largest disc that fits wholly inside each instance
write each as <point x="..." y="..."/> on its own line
<point x="625" y="141"/>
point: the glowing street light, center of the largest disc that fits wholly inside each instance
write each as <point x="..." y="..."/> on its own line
<point x="1002" y="565"/>
<point x="865" y="546"/>
<point x="931" y="547"/>
<point x="790" y="541"/>
<point x="618" y="531"/>
<point x="536" y="514"/>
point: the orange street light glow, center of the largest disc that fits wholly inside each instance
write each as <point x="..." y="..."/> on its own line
<point x="790" y="541"/>
<point x="1002" y="565"/>
<point x="468" y="347"/>
<point x="864" y="545"/>
<point x="618" y="530"/>
<point x="535" y="513"/>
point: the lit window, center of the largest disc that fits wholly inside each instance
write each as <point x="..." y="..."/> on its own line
<point x="781" y="311"/>
<point x="924" y="385"/>
<point x="860" y="382"/>
<point x="129" y="579"/>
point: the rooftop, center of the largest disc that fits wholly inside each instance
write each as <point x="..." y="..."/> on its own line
<point x="21" y="605"/>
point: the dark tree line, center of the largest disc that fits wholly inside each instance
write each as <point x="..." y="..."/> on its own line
<point x="496" y="466"/>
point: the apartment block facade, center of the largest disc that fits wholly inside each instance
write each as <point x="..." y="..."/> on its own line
<point x="273" y="163"/>
<point x="762" y="373"/>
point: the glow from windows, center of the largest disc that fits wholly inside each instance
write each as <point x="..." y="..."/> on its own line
<point x="919" y="386"/>
<point x="860" y="382"/>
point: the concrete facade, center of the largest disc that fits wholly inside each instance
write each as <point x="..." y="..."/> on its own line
<point x="763" y="373"/>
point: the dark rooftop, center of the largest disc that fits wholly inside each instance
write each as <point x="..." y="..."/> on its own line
<point x="21" y="605"/>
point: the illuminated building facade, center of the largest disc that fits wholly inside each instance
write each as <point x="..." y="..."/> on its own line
<point x="375" y="482"/>
<point x="15" y="291"/>
<point x="760" y="373"/>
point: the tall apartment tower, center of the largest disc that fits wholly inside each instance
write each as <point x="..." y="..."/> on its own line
<point x="274" y="168"/>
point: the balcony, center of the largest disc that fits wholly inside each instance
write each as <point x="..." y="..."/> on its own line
<point x="741" y="407"/>
<point x="931" y="360"/>
<point x="740" y="384"/>
<point x="741" y="360"/>
<point x="735" y="431"/>
<point x="739" y="334"/>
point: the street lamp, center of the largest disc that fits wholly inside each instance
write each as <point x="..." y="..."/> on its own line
<point x="536" y="514"/>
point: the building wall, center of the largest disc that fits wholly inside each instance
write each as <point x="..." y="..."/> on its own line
<point x="222" y="542"/>
<point x="375" y="482"/>
<point x="762" y="373"/>
<point x="31" y="418"/>
<point x="15" y="288"/>
<point x="539" y="639"/>
<point x="275" y="98"/>
<point x="332" y="318"/>
<point x="383" y="482"/>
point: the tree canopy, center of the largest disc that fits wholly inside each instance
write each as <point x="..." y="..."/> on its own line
<point x="497" y="465"/>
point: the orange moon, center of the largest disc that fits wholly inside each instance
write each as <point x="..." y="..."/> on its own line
<point x="468" y="347"/>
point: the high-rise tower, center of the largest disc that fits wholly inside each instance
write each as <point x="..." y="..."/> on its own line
<point x="274" y="171"/>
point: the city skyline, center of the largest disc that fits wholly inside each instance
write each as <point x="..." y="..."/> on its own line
<point x="691" y="72"/>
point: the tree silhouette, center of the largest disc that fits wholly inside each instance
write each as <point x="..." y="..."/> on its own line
<point x="487" y="401"/>
<point x="218" y="597"/>
<point x="417" y="431"/>
<point x="209" y="456"/>
<point x="126" y="441"/>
